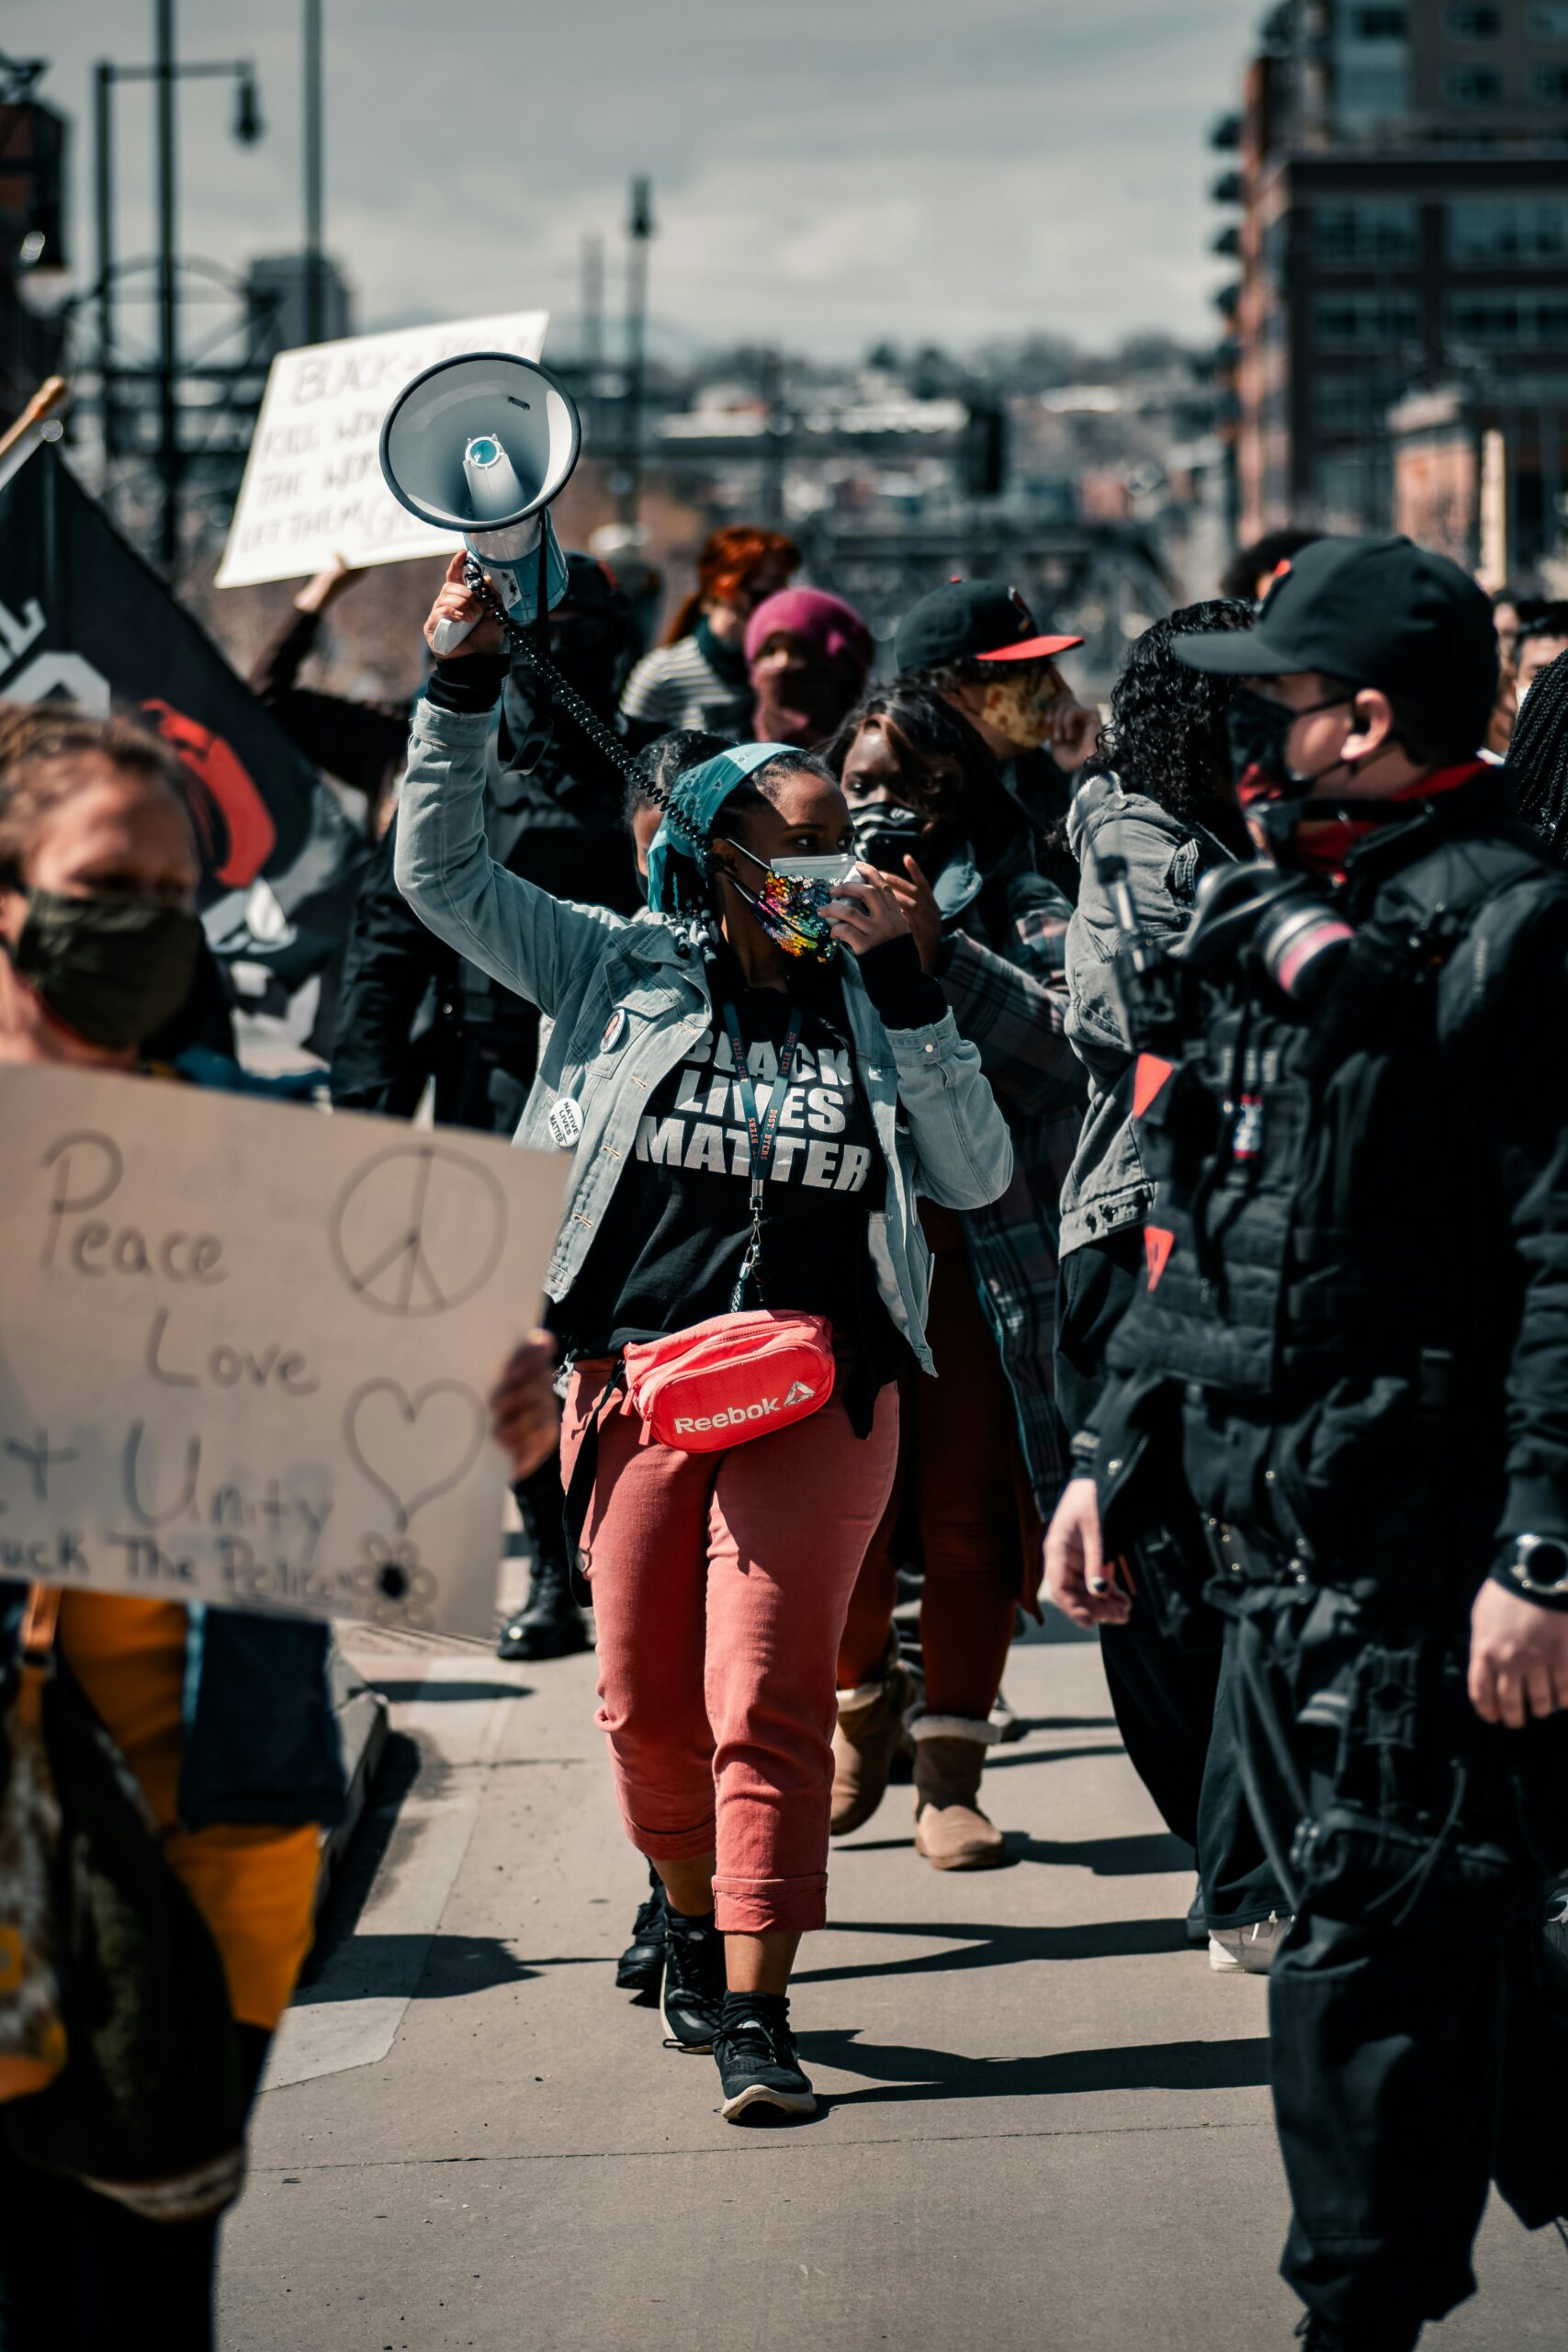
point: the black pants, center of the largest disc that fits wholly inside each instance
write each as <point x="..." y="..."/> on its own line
<point x="1174" y="1707"/>
<point x="78" y="2273"/>
<point x="1412" y="2067"/>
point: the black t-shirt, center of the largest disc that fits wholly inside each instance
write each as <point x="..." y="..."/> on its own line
<point x="670" y="1249"/>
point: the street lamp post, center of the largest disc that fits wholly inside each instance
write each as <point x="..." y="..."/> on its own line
<point x="164" y="71"/>
<point x="315" y="308"/>
<point x="639" y="230"/>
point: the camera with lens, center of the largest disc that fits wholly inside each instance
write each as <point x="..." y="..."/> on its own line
<point x="1283" y="921"/>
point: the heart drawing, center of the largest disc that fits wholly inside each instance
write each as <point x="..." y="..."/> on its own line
<point x="397" y="1440"/>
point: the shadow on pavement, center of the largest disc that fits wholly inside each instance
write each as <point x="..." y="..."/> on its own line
<point x="985" y="1945"/>
<point x="904" y="2074"/>
<point x="399" y="1693"/>
<point x="1000" y="1758"/>
<point x="441" y="1966"/>
<point x="1154" y="1850"/>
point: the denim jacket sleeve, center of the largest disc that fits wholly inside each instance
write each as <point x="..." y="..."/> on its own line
<point x="1106" y="822"/>
<point x="539" y="946"/>
<point x="962" y="1146"/>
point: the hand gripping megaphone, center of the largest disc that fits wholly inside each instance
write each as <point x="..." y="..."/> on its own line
<point x="481" y="445"/>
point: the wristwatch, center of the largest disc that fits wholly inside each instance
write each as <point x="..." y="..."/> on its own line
<point x="1538" y="1568"/>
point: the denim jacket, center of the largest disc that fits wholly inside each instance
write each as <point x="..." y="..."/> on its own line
<point x="1107" y="1187"/>
<point x="624" y="1000"/>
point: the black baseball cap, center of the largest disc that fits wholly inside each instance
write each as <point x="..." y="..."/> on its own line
<point x="1377" y="613"/>
<point x="973" y="620"/>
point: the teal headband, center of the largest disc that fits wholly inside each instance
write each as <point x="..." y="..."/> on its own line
<point x="677" y="870"/>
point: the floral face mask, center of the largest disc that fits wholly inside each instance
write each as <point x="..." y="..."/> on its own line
<point x="1020" y="706"/>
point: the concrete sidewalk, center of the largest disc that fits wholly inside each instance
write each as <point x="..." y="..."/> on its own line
<point x="1046" y="2122"/>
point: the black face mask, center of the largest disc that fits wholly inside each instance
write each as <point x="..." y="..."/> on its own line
<point x="1257" y="730"/>
<point x="110" y="969"/>
<point x="886" y="832"/>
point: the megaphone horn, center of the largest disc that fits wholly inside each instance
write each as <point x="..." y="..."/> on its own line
<point x="480" y="444"/>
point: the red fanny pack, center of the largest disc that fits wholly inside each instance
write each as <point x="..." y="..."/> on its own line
<point x="733" y="1377"/>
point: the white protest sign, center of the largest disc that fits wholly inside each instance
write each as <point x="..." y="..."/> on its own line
<point x="313" y="487"/>
<point x="245" y="1348"/>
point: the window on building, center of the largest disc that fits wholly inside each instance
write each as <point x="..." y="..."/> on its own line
<point x="1516" y="229"/>
<point x="1548" y="85"/>
<point x="1380" y="24"/>
<point x="1361" y="233"/>
<point x="1474" y="24"/>
<point x="1363" y="317"/>
<point x="1347" y="403"/>
<point x="1365" y="96"/>
<point x="1549" y="19"/>
<point x="1472" y="86"/>
<point x="1509" y="321"/>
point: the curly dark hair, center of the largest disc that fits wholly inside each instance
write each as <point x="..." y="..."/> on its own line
<point x="1166" y="734"/>
<point x="1538" y="759"/>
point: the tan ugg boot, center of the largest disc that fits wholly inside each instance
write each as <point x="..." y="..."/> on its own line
<point x="871" y="1721"/>
<point x="951" y="1831"/>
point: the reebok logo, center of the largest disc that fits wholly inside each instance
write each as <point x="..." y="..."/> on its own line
<point x="799" y="1394"/>
<point x="758" y="1412"/>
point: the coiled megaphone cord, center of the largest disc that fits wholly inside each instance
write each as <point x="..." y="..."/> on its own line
<point x="565" y="695"/>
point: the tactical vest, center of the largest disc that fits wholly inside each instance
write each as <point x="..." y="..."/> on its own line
<point x="1328" y="1280"/>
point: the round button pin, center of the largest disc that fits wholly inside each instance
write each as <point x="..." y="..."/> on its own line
<point x="566" y="1124"/>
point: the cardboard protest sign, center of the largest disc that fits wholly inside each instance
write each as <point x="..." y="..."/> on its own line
<point x="245" y="1349"/>
<point x="83" y="619"/>
<point x="313" y="487"/>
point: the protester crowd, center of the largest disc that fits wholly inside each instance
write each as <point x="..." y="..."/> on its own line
<point x="1141" y="1126"/>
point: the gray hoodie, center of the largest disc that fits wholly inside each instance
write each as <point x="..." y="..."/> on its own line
<point x="1107" y="1189"/>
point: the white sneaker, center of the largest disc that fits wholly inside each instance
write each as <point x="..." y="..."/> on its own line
<point x="1250" y="1949"/>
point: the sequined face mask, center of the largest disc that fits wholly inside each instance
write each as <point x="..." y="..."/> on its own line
<point x="788" y="909"/>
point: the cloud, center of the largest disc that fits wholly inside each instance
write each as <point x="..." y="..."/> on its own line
<point x="947" y="170"/>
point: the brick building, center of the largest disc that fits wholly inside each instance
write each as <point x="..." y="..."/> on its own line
<point x="1402" y="177"/>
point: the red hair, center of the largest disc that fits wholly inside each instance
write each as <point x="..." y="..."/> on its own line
<point x="726" y="564"/>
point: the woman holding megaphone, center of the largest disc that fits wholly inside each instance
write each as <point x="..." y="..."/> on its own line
<point x="754" y="1079"/>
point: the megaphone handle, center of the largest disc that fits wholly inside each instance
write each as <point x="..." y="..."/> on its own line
<point x="446" y="636"/>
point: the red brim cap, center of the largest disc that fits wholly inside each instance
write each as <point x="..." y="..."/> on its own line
<point x="1032" y="649"/>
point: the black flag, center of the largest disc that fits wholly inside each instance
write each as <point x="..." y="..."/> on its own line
<point x="83" y="619"/>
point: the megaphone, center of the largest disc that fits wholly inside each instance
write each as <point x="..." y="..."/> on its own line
<point x="480" y="445"/>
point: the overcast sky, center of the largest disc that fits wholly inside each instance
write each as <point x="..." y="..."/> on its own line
<point x="826" y="174"/>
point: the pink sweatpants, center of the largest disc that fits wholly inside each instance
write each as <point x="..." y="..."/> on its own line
<point x="720" y="1584"/>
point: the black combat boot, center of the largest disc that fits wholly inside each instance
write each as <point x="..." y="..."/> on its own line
<point x="549" y="1624"/>
<point x="641" y="1966"/>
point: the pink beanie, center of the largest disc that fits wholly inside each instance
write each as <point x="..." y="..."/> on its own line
<point x="826" y="622"/>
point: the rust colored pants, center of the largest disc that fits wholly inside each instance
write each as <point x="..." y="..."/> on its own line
<point x="961" y="1481"/>
<point x="720" y="1584"/>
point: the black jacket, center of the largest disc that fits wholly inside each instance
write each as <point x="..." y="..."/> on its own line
<point x="1355" y="1327"/>
<point x="410" y="1009"/>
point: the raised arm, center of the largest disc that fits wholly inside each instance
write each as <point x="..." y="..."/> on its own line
<point x="532" y="943"/>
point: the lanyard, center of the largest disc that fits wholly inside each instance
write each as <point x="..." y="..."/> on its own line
<point x="761" y="1127"/>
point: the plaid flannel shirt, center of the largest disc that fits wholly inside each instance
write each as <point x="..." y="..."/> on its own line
<point x="1006" y="990"/>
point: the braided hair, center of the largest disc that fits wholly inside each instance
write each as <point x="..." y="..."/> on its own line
<point x="1538" y="759"/>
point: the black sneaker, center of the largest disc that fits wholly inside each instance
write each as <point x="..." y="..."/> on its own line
<point x="758" y="2068"/>
<point x="690" y="1999"/>
<point x="641" y="1965"/>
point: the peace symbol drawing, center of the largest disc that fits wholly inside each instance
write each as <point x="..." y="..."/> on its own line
<point x="418" y="1229"/>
